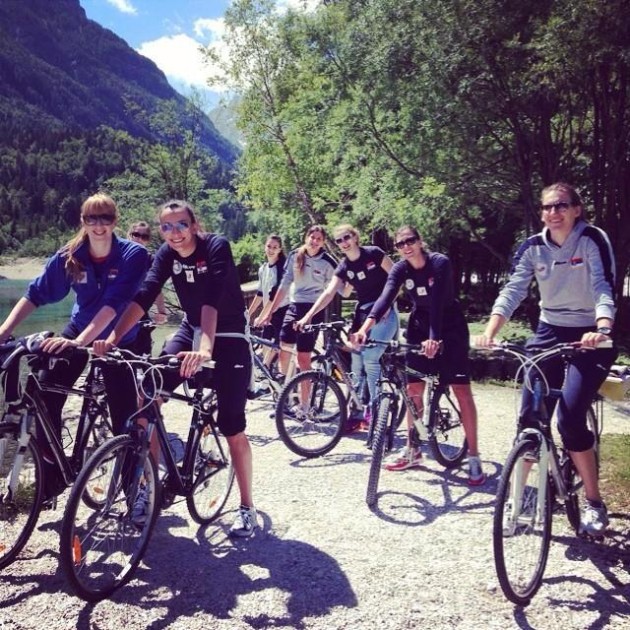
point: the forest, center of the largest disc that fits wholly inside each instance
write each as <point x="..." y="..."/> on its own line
<point x="450" y="115"/>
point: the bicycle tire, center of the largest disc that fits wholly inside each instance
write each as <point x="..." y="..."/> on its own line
<point x="100" y="549"/>
<point x="19" y="514"/>
<point x="521" y="538"/>
<point x="317" y="431"/>
<point x="213" y="476"/>
<point x="447" y="439"/>
<point x="575" y="486"/>
<point x="384" y="419"/>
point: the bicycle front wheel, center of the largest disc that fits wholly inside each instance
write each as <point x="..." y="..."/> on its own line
<point x="21" y="492"/>
<point x="213" y="476"/>
<point x="447" y="439"/>
<point x="101" y="548"/>
<point x="313" y="428"/>
<point x="522" y="523"/>
<point x="385" y="418"/>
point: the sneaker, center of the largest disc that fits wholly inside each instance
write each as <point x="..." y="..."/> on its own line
<point x="258" y="391"/>
<point x="140" y="507"/>
<point x="476" y="476"/>
<point x="299" y="411"/>
<point x="509" y="521"/>
<point x="594" y="520"/>
<point x="403" y="460"/>
<point x="245" y="523"/>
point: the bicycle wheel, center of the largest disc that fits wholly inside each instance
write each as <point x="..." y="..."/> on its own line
<point x="98" y="432"/>
<point x="20" y="504"/>
<point x="213" y="476"/>
<point x="447" y="439"/>
<point x="100" y="548"/>
<point x="312" y="429"/>
<point x="385" y="418"/>
<point x="522" y="523"/>
<point x="575" y="486"/>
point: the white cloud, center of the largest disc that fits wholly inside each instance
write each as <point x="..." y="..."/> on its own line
<point x="124" y="6"/>
<point x="180" y="58"/>
<point x="212" y="27"/>
<point x="306" y="5"/>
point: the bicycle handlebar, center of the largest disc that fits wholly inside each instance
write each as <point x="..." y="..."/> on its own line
<point x="396" y="346"/>
<point x="336" y="325"/>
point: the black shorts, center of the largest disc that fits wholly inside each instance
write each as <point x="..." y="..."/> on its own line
<point x="272" y="330"/>
<point x="304" y="342"/>
<point x="452" y="364"/>
<point x="230" y="377"/>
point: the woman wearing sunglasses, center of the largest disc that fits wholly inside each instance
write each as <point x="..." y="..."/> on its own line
<point x="104" y="272"/>
<point x="309" y="268"/>
<point x="436" y="321"/>
<point x="140" y="233"/>
<point x="205" y="278"/>
<point x="365" y="268"/>
<point x="574" y="267"/>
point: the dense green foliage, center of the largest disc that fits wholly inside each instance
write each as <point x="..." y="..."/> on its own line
<point x="447" y="114"/>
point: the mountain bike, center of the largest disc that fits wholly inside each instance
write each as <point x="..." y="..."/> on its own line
<point x="439" y="419"/>
<point x="537" y="473"/>
<point x="314" y="405"/>
<point x="27" y="435"/>
<point x="101" y="548"/>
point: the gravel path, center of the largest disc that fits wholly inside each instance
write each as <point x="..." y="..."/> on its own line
<point x="323" y="560"/>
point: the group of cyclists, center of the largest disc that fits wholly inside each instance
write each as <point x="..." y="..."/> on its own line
<point x="116" y="281"/>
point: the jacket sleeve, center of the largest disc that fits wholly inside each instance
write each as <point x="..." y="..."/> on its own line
<point x="155" y="278"/>
<point x="390" y="291"/>
<point x="52" y="285"/>
<point x="515" y="291"/>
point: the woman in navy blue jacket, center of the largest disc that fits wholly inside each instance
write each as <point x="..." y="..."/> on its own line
<point x="104" y="272"/>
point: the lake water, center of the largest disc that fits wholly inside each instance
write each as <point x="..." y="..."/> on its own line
<point x="53" y="316"/>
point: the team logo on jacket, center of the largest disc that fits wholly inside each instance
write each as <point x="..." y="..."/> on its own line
<point x="82" y="279"/>
<point x="541" y="269"/>
<point x="421" y="291"/>
<point x="361" y="275"/>
<point x="202" y="266"/>
<point x="112" y="274"/>
<point x="371" y="264"/>
<point x="577" y="261"/>
<point x="430" y="282"/>
<point x="177" y="267"/>
<point x="350" y="274"/>
<point x="409" y="284"/>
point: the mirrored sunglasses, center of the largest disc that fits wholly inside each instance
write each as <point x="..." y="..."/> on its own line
<point x="180" y="226"/>
<point x="101" y="219"/>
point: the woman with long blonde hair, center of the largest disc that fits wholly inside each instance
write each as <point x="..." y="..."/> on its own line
<point x="104" y="272"/>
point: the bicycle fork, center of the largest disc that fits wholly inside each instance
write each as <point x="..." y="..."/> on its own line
<point x="25" y="436"/>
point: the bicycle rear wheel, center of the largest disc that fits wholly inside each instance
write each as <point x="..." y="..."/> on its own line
<point x="314" y="429"/>
<point x="522" y="523"/>
<point x="101" y="548"/>
<point x="213" y="476"/>
<point x="385" y="418"/>
<point x="19" y="509"/>
<point x="575" y="486"/>
<point x="447" y="439"/>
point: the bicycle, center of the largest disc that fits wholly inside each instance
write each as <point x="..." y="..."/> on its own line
<point x="27" y="435"/>
<point x="439" y="419"/>
<point x="314" y="428"/>
<point x="536" y="473"/>
<point x="101" y="548"/>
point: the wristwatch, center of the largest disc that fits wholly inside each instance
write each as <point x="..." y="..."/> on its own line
<point x="605" y="330"/>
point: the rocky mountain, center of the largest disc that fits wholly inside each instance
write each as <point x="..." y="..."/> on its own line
<point x="58" y="69"/>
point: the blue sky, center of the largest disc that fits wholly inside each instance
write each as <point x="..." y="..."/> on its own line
<point x="170" y="32"/>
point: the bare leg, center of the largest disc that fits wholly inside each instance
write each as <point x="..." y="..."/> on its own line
<point x="286" y="352"/>
<point x="585" y="463"/>
<point x="241" y="453"/>
<point x="304" y="363"/>
<point x="415" y="392"/>
<point x="468" y="409"/>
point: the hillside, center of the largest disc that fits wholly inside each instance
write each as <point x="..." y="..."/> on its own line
<point x="60" y="70"/>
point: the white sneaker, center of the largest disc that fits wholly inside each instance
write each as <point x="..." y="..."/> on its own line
<point x="594" y="520"/>
<point x="476" y="476"/>
<point x="140" y="507"/>
<point x="245" y="523"/>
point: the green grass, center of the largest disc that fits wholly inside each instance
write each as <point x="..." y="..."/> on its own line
<point x="615" y="472"/>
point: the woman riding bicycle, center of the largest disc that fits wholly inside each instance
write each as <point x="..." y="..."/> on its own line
<point x="573" y="264"/>
<point x="437" y="321"/>
<point x="104" y="272"/>
<point x="205" y="279"/>
<point x="365" y="268"/>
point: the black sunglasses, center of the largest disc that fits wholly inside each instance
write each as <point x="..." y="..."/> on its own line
<point x="406" y="241"/>
<point x="141" y="235"/>
<point x="101" y="219"/>
<point x="561" y="206"/>
<point x="343" y="239"/>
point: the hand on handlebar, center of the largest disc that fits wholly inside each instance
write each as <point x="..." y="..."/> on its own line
<point x="358" y="339"/>
<point x="56" y="345"/>
<point x="299" y="325"/>
<point x="431" y="347"/>
<point x="261" y="322"/>
<point x="101" y="347"/>
<point x="192" y="362"/>
<point x="593" y="339"/>
<point x="482" y="341"/>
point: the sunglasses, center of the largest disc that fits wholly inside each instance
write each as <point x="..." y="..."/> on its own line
<point x="406" y="241"/>
<point x="343" y="239"/>
<point x="561" y="206"/>
<point x="143" y="236"/>
<point x="180" y="226"/>
<point x="101" y="219"/>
